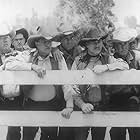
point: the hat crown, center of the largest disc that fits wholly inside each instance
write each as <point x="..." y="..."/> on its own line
<point x="33" y="38"/>
<point x="4" y="30"/>
<point x="93" y="33"/>
<point x="124" y="34"/>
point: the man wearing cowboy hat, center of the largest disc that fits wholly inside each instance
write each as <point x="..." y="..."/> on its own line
<point x="42" y="97"/>
<point x="8" y="102"/>
<point x="123" y="97"/>
<point x="93" y="97"/>
<point x="69" y="44"/>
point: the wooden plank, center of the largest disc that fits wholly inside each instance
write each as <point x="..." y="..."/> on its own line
<point x="70" y="77"/>
<point x="48" y="118"/>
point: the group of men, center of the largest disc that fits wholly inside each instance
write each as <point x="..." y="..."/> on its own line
<point x="85" y="48"/>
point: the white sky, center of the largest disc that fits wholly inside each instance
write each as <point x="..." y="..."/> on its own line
<point x="10" y="8"/>
<point x="125" y="8"/>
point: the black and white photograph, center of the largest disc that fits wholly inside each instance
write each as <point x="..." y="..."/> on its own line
<point x="69" y="69"/>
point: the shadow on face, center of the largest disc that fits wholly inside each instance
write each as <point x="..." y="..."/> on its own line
<point x="19" y="42"/>
<point x="94" y="47"/>
<point x="71" y="41"/>
<point x="44" y="47"/>
<point x="122" y="48"/>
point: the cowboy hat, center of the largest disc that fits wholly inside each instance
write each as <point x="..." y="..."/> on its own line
<point x="124" y="35"/>
<point x="59" y="37"/>
<point x="93" y="35"/>
<point x="5" y="31"/>
<point x="32" y="39"/>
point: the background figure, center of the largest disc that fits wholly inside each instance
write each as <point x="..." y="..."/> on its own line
<point x="69" y="44"/>
<point x="18" y="44"/>
<point x="14" y="101"/>
<point x="70" y="48"/>
<point x="125" y="97"/>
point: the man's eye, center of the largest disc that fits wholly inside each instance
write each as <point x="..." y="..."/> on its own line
<point x="19" y="39"/>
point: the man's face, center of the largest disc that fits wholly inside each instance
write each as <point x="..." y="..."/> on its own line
<point x="19" y="42"/>
<point x="134" y="44"/>
<point x="44" y="47"/>
<point x="122" y="48"/>
<point x="5" y="44"/>
<point x="70" y="41"/>
<point x="94" y="47"/>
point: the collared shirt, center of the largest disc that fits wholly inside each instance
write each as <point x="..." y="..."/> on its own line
<point x="22" y="62"/>
<point x="113" y="64"/>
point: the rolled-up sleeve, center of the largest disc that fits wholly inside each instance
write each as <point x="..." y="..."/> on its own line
<point x="77" y="96"/>
<point x="67" y="89"/>
<point x="117" y="64"/>
<point x="19" y="62"/>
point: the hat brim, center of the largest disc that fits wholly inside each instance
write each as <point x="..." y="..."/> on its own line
<point x="11" y="34"/>
<point x="61" y="36"/>
<point x="31" y="41"/>
<point x="85" y="40"/>
<point x="116" y="40"/>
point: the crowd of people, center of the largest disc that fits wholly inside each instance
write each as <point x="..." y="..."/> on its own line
<point x="84" y="48"/>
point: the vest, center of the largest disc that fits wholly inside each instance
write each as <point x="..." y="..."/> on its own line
<point x="119" y="95"/>
<point x="25" y="89"/>
<point x="89" y="93"/>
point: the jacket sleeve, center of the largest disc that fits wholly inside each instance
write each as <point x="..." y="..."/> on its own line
<point x="117" y="64"/>
<point x="77" y="96"/>
<point x="137" y="57"/>
<point x="67" y="89"/>
<point x="19" y="62"/>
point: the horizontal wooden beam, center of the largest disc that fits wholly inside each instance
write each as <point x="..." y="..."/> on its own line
<point x="78" y="119"/>
<point x="58" y="77"/>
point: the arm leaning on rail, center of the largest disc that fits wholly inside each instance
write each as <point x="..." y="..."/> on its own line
<point x="22" y="62"/>
<point x="113" y="64"/>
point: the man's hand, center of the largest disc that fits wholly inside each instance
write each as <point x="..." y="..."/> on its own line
<point x="100" y="69"/>
<point x="66" y="112"/>
<point x="58" y="55"/>
<point x="2" y="67"/>
<point x="41" y="72"/>
<point x="87" y="107"/>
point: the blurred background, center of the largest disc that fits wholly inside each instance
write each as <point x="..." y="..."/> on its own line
<point x="59" y="15"/>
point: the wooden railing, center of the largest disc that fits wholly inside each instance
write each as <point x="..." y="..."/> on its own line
<point x="50" y="118"/>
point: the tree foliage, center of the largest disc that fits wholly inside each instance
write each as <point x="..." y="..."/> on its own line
<point x="71" y="14"/>
<point x="85" y="12"/>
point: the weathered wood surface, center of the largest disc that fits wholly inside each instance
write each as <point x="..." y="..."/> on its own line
<point x="48" y="118"/>
<point x="70" y="77"/>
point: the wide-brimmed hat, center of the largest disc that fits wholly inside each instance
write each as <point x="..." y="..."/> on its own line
<point x="32" y="39"/>
<point x="24" y="32"/>
<point x="6" y="31"/>
<point x="93" y="35"/>
<point x="59" y="37"/>
<point x="124" y="35"/>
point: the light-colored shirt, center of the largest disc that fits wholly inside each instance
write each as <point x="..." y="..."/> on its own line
<point x="22" y="62"/>
<point x="9" y="91"/>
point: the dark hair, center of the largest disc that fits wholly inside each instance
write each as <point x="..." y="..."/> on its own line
<point x="24" y="32"/>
